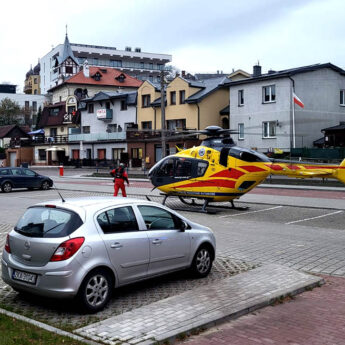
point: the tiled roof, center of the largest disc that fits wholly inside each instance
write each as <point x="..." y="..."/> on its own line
<point x="339" y="127"/>
<point x="48" y="120"/>
<point x="5" y="131"/>
<point x="131" y="97"/>
<point x="107" y="78"/>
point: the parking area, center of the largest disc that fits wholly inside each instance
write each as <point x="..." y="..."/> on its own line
<point x="305" y="238"/>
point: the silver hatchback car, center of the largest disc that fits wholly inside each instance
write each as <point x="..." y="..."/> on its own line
<point x="84" y="247"/>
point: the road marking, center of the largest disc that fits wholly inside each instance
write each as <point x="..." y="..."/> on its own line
<point x="305" y="219"/>
<point x="240" y="214"/>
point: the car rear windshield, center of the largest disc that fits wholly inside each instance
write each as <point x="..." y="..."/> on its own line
<point x="48" y="222"/>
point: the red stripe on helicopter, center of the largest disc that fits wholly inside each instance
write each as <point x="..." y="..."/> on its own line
<point x="252" y="168"/>
<point x="293" y="167"/>
<point x="275" y="167"/>
<point x="229" y="173"/>
<point x="210" y="183"/>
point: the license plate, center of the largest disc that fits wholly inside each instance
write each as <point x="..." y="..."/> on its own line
<point x="24" y="276"/>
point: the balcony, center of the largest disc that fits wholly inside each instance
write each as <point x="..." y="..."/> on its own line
<point x="97" y="136"/>
<point x="105" y="114"/>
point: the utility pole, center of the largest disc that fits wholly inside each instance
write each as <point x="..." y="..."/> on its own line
<point x="163" y="114"/>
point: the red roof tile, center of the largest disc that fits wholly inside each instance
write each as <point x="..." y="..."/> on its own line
<point x="108" y="78"/>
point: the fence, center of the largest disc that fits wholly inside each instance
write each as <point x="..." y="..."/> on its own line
<point x="319" y="154"/>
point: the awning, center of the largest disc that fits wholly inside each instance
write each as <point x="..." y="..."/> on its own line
<point x="55" y="148"/>
<point x="39" y="131"/>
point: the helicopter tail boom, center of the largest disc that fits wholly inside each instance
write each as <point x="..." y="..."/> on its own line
<point x="297" y="170"/>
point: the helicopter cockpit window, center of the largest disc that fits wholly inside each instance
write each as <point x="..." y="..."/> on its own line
<point x="183" y="168"/>
<point x="167" y="168"/>
<point x="201" y="168"/>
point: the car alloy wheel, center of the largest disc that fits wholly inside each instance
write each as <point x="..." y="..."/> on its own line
<point x="95" y="291"/>
<point x="202" y="262"/>
<point x="7" y="187"/>
<point x="45" y="185"/>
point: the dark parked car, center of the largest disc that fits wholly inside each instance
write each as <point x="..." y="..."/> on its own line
<point x="22" y="178"/>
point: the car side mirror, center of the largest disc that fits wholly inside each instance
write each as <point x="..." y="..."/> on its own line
<point x="183" y="226"/>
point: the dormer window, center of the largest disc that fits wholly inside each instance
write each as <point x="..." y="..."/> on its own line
<point x="97" y="76"/>
<point x="121" y="78"/>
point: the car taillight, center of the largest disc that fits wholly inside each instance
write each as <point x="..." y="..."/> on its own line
<point x="7" y="244"/>
<point x="67" y="249"/>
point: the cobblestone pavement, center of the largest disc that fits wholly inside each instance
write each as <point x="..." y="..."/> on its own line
<point x="191" y="310"/>
<point x="66" y="316"/>
<point x="313" y="318"/>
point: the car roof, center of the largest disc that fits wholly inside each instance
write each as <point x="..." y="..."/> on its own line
<point x="91" y="202"/>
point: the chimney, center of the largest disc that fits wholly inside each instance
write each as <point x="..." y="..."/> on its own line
<point x="256" y="70"/>
<point x="86" y="69"/>
<point x="183" y="74"/>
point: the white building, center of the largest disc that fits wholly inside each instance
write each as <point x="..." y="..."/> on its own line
<point x="102" y="132"/>
<point x="136" y="63"/>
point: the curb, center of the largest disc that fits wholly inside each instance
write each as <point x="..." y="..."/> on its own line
<point x="47" y="327"/>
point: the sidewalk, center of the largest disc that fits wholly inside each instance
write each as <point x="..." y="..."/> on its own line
<point x="201" y="308"/>
<point x="316" y="317"/>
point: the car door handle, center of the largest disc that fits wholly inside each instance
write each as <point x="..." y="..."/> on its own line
<point x="116" y="245"/>
<point x="157" y="241"/>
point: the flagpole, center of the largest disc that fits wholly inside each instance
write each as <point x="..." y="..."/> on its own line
<point x="293" y="122"/>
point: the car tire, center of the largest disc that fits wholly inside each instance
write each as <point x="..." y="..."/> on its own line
<point x="95" y="291"/>
<point x="45" y="185"/>
<point x="202" y="262"/>
<point x="6" y="187"/>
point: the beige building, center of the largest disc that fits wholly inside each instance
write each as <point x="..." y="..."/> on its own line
<point x="32" y="81"/>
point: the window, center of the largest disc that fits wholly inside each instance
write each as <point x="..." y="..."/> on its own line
<point x="54" y="112"/>
<point x="201" y="169"/>
<point x="6" y="171"/>
<point x="240" y="97"/>
<point x="173" y="97"/>
<point x="342" y="97"/>
<point x="90" y="108"/>
<point x="183" y="168"/>
<point x="86" y="129"/>
<point x="35" y="92"/>
<point x="167" y="168"/>
<point x="107" y="105"/>
<point x="269" y="94"/>
<point x="35" y="80"/>
<point x="146" y="124"/>
<point x="118" y="220"/>
<point x="42" y="154"/>
<point x="176" y="124"/>
<point x="34" y="106"/>
<point x="123" y="104"/>
<point x="27" y="105"/>
<point x="112" y="128"/>
<point x="241" y="131"/>
<point x="137" y="153"/>
<point x="269" y="129"/>
<point x="69" y="69"/>
<point x="28" y="172"/>
<point x="157" y="218"/>
<point x="145" y="101"/>
<point x="53" y="132"/>
<point x="117" y="153"/>
<point x="182" y="96"/>
<point x="16" y="172"/>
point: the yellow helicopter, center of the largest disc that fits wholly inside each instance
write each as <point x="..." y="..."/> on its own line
<point x="220" y="171"/>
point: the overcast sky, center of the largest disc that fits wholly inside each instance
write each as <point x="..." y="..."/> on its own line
<point x="201" y="36"/>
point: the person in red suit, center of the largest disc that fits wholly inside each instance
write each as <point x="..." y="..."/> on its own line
<point x="120" y="176"/>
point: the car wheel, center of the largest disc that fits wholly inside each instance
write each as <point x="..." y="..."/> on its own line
<point x="6" y="187"/>
<point x="45" y="185"/>
<point x="95" y="290"/>
<point x="202" y="262"/>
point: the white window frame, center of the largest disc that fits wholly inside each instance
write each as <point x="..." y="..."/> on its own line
<point x="342" y="98"/>
<point x="240" y="98"/>
<point x="241" y="131"/>
<point x="269" y="129"/>
<point x="272" y="95"/>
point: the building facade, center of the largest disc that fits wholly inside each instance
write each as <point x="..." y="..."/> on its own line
<point x="264" y="113"/>
<point x="141" y="65"/>
<point x="32" y="83"/>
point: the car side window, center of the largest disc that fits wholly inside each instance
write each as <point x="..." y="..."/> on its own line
<point x="28" y="172"/>
<point x="157" y="218"/>
<point x="118" y="220"/>
<point x="16" y="172"/>
<point x="4" y="172"/>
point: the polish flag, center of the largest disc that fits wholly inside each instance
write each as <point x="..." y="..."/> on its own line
<point x="297" y="101"/>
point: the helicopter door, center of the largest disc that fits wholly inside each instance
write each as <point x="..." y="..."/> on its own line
<point x="183" y="169"/>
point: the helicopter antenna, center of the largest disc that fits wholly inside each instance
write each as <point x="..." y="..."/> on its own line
<point x="63" y="200"/>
